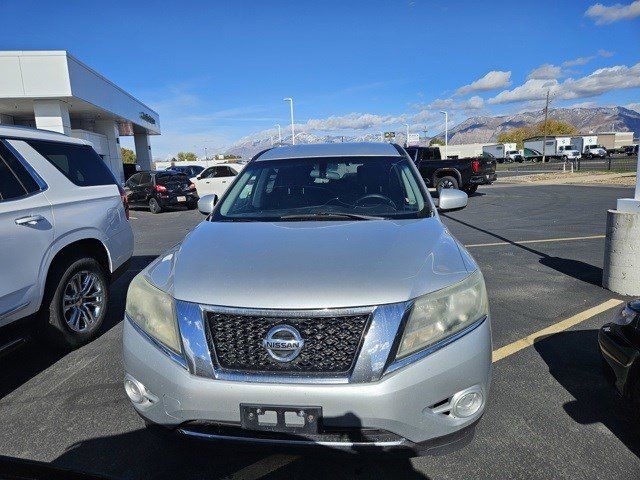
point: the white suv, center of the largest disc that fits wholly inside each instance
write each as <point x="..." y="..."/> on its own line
<point x="65" y="235"/>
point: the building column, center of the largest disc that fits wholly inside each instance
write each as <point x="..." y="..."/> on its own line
<point x="52" y="115"/>
<point x="143" y="150"/>
<point x="109" y="129"/>
<point x="6" y="119"/>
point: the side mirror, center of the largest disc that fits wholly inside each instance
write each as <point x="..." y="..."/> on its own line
<point x="206" y="203"/>
<point x="452" y="199"/>
<point x="199" y="177"/>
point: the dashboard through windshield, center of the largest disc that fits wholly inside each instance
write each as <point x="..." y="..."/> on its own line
<point x="327" y="188"/>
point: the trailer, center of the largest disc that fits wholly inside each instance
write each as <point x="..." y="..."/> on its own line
<point x="503" y="152"/>
<point x="615" y="142"/>
<point x="466" y="150"/>
<point x="538" y="147"/>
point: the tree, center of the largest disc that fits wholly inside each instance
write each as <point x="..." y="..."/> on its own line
<point x="436" y="141"/>
<point x="186" y="157"/>
<point x="554" y="127"/>
<point x="128" y="156"/>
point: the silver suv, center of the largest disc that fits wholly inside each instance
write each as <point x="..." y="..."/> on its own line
<point x="322" y="301"/>
<point x="65" y="235"/>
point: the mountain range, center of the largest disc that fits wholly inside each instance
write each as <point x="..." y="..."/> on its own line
<point x="478" y="129"/>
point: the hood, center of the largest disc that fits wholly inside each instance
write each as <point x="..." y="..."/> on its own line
<point x="301" y="265"/>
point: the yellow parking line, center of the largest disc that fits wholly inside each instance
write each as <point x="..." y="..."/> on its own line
<point x="544" y="240"/>
<point x="263" y="467"/>
<point x="529" y="340"/>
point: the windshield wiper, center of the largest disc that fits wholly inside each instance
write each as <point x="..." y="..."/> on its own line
<point x="329" y="216"/>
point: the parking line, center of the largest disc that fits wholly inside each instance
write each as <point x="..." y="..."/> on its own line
<point x="529" y="340"/>
<point x="263" y="467"/>
<point x="543" y="240"/>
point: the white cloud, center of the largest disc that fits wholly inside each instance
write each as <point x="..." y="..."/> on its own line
<point x="545" y="72"/>
<point x="633" y="106"/>
<point x="603" y="15"/>
<point x="605" y="53"/>
<point x="600" y="81"/>
<point x="493" y="80"/>
<point x="578" y="61"/>
<point x="533" y="89"/>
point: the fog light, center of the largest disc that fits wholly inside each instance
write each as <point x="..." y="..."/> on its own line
<point x="466" y="404"/>
<point x="134" y="391"/>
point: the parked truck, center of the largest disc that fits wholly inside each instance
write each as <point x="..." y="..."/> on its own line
<point x="536" y="148"/>
<point x="588" y="146"/>
<point x="503" y="152"/>
<point x="615" y="142"/>
<point x="462" y="173"/>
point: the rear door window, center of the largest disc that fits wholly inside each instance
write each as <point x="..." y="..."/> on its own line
<point x="79" y="163"/>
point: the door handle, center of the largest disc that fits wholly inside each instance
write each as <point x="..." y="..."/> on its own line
<point x="224" y="181"/>
<point x="30" y="220"/>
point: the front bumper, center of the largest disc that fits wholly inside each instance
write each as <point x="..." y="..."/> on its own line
<point x="405" y="403"/>
<point x="619" y="354"/>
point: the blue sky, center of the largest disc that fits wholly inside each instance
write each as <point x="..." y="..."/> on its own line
<point x="218" y="71"/>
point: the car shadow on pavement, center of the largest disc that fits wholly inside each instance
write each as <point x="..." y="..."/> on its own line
<point x="146" y="453"/>
<point x="582" y="271"/>
<point x="574" y="361"/>
<point x="34" y="356"/>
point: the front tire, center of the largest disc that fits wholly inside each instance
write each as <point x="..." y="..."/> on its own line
<point x="75" y="302"/>
<point x="446" y="182"/>
<point x="154" y="206"/>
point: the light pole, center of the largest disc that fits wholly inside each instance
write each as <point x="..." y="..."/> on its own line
<point x="293" y="133"/>
<point x="446" y="133"/>
<point x="279" y="133"/>
<point x="382" y="136"/>
<point x="406" y="139"/>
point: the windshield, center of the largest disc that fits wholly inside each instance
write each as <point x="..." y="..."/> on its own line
<point x="333" y="188"/>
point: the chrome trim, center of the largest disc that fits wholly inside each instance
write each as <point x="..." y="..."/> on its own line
<point x="211" y="436"/>
<point x="295" y="313"/>
<point x="14" y="310"/>
<point x="414" y="357"/>
<point x="163" y="348"/>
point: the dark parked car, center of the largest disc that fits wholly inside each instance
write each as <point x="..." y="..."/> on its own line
<point x="462" y="173"/>
<point x="189" y="170"/>
<point x="620" y="348"/>
<point x="160" y="190"/>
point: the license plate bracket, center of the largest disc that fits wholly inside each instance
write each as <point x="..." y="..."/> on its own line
<point x="280" y="418"/>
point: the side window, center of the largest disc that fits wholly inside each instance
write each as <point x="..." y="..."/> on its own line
<point x="208" y="173"/>
<point x="133" y="181"/>
<point x="79" y="163"/>
<point x="227" y="172"/>
<point x="10" y="187"/>
<point x="27" y="183"/>
<point x="145" y="178"/>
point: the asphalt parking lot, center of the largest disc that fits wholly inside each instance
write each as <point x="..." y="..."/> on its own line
<point x="550" y="415"/>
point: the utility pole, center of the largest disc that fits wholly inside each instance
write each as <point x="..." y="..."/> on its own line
<point x="425" y="136"/>
<point x="293" y="133"/>
<point x="544" y="129"/>
<point x="446" y="133"/>
<point x="406" y="140"/>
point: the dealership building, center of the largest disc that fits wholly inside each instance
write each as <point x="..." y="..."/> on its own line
<point x="52" y="90"/>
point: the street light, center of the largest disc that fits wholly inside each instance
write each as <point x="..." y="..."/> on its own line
<point x="446" y="133"/>
<point x="406" y="140"/>
<point x="293" y="133"/>
<point x="279" y="133"/>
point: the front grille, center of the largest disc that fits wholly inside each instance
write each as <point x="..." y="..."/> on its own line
<point x="330" y="346"/>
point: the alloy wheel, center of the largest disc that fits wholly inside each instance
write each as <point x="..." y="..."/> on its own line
<point x="83" y="301"/>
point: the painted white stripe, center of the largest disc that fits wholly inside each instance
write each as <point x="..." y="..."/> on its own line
<point x="543" y="240"/>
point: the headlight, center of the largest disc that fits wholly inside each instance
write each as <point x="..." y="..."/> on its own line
<point x="153" y="311"/>
<point x="440" y="314"/>
<point x="625" y="316"/>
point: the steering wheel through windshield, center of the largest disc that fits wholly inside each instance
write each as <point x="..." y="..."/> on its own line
<point x="367" y="200"/>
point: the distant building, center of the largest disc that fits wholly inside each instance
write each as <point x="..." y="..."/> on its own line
<point x="53" y="90"/>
